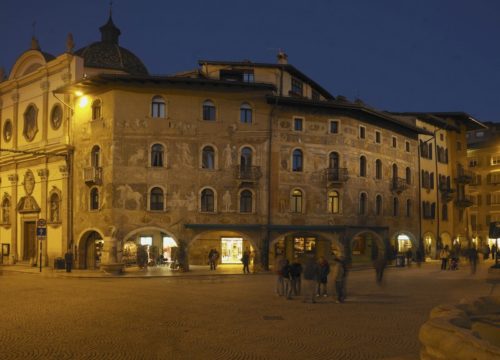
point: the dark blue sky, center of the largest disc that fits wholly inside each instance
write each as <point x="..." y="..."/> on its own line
<point x="399" y="55"/>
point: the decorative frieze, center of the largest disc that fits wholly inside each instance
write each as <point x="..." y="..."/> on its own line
<point x="13" y="178"/>
<point x="43" y="173"/>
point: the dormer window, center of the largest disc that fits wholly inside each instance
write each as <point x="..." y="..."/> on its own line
<point x="237" y="75"/>
<point x="297" y="87"/>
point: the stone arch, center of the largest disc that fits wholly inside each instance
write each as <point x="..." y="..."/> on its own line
<point x="28" y="62"/>
<point x="200" y="244"/>
<point x="89" y="248"/>
<point x="446" y="239"/>
<point x="400" y="241"/>
<point x="365" y="245"/>
<point x="163" y="242"/>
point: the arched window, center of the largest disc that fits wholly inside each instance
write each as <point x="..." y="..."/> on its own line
<point x="207" y="201"/>
<point x="362" y="204"/>
<point x="208" y="158"/>
<point x="378" y="169"/>
<point x="333" y="160"/>
<point x="95" y="157"/>
<point x="296" y="201"/>
<point x="30" y="122"/>
<point x="96" y="109"/>
<point x="94" y="199"/>
<point x="408" y="208"/>
<point x="246" y="200"/>
<point x="157" y="155"/>
<point x="156" y="199"/>
<point x="378" y="205"/>
<point x="56" y="116"/>
<point x="297" y="160"/>
<point x="246" y="113"/>
<point x="158" y="107"/>
<point x="395" y="206"/>
<point x="208" y="110"/>
<point x="333" y="202"/>
<point x="408" y="176"/>
<point x="246" y="158"/>
<point x="362" y="166"/>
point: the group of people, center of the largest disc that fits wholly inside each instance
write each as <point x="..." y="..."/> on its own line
<point x="311" y="278"/>
<point x="449" y="259"/>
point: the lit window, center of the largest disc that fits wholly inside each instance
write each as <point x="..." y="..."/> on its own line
<point x="207" y="201"/>
<point x="208" y="111"/>
<point x="156" y="199"/>
<point x="158" y="107"/>
<point x="297" y="160"/>
<point x="245" y="113"/>
<point x="208" y="158"/>
<point x="246" y="200"/>
<point x="333" y="202"/>
<point x="157" y="155"/>
<point x="296" y="201"/>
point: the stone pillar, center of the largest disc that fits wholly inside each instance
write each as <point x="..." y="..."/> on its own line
<point x="44" y="174"/>
<point x="13" y="219"/>
<point x="64" y="213"/>
<point x="45" y="86"/>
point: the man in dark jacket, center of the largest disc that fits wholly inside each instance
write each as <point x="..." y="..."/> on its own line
<point x="310" y="278"/>
<point x="68" y="260"/>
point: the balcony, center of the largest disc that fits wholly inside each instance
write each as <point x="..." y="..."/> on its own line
<point x="92" y="175"/>
<point x="446" y="192"/>
<point x="336" y="176"/>
<point x="464" y="201"/>
<point x="399" y="185"/>
<point x="250" y="174"/>
<point x="465" y="176"/>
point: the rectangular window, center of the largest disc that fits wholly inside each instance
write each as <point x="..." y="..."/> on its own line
<point x="473" y="162"/>
<point x="394" y="142"/>
<point x="248" y="76"/>
<point x="495" y="160"/>
<point x="334" y="127"/>
<point x="407" y="146"/>
<point x="298" y="124"/>
<point x="237" y="75"/>
<point x="378" y="137"/>
<point x="362" y="132"/>
<point x="296" y="87"/>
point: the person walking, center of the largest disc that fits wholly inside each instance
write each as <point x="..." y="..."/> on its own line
<point x="408" y="255"/>
<point x="287" y="280"/>
<point x="296" y="271"/>
<point x="340" y="278"/>
<point x="444" y="255"/>
<point x="68" y="260"/>
<point x="310" y="276"/>
<point x="473" y="259"/>
<point x="494" y="253"/>
<point x="279" y="264"/>
<point x="213" y="257"/>
<point x="379" y="264"/>
<point x="245" y="259"/>
<point x="323" y="271"/>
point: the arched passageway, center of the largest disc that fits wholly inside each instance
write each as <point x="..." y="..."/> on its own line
<point x="90" y="250"/>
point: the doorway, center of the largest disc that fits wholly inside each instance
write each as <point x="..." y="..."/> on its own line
<point x="92" y="251"/>
<point x="29" y="241"/>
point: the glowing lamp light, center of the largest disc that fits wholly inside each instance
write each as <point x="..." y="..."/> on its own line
<point x="84" y="100"/>
<point x="78" y="93"/>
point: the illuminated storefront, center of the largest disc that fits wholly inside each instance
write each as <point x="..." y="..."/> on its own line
<point x="404" y="243"/>
<point x="232" y="250"/>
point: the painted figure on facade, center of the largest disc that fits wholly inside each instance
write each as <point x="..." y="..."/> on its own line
<point x="54" y="208"/>
<point x="30" y="124"/>
<point x="6" y="211"/>
<point x="226" y="201"/>
<point x="127" y="194"/>
<point x="228" y="156"/>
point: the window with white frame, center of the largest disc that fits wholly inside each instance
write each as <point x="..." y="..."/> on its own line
<point x="158" y="107"/>
<point x="297" y="160"/>
<point x="208" y="158"/>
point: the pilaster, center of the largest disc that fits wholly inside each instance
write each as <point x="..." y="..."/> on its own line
<point x="13" y="178"/>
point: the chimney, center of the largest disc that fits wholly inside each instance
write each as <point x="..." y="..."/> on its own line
<point x="282" y="57"/>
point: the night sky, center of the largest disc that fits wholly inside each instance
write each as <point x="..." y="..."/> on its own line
<point x="425" y="55"/>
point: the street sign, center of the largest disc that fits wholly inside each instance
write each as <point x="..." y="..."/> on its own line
<point x="41" y="229"/>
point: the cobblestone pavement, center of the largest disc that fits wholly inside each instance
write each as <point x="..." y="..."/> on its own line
<point x="221" y="316"/>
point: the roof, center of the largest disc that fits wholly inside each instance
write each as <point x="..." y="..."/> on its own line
<point x="346" y="105"/>
<point x="438" y="119"/>
<point x="286" y="67"/>
<point x="107" y="54"/>
<point x="97" y="82"/>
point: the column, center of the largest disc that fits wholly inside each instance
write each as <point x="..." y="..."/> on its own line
<point x="44" y="174"/>
<point x="13" y="218"/>
<point x="64" y="210"/>
<point x="45" y="86"/>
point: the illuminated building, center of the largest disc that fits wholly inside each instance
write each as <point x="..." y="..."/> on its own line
<point x="232" y="156"/>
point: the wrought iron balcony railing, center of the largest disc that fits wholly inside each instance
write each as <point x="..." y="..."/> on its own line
<point x="399" y="184"/>
<point x="465" y="176"/>
<point x="247" y="173"/>
<point x="92" y="175"/>
<point x="464" y="201"/>
<point x="336" y="175"/>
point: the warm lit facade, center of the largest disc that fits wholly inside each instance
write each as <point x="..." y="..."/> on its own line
<point x="483" y="155"/>
<point x="233" y="156"/>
